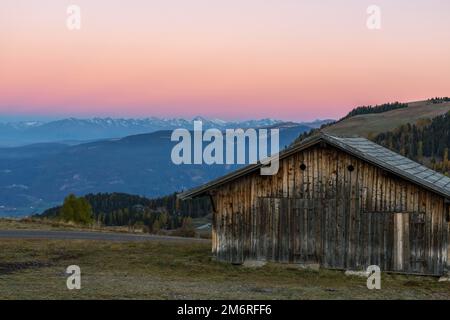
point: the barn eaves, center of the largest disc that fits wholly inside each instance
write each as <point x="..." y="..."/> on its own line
<point x="357" y="146"/>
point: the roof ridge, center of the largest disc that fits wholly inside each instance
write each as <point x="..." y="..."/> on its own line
<point x="375" y="154"/>
<point x="405" y="172"/>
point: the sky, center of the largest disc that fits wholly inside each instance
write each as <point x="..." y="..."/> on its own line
<point x="231" y="59"/>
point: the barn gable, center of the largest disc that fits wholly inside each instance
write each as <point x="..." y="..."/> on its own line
<point x="358" y="147"/>
<point x="393" y="162"/>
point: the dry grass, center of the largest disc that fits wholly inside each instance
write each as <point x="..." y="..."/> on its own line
<point x="372" y="124"/>
<point x="34" y="269"/>
<point x="47" y="224"/>
<point x="55" y="225"/>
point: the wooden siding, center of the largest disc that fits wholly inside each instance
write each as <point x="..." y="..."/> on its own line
<point x="330" y="215"/>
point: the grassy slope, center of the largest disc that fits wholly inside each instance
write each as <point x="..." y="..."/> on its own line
<point x="370" y="124"/>
<point x="34" y="269"/>
<point x="45" y="224"/>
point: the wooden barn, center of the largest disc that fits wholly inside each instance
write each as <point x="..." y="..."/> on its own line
<point x="341" y="202"/>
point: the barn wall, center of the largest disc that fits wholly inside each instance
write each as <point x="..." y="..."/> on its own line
<point x="329" y="215"/>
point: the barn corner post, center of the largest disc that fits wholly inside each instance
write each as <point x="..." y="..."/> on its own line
<point x="447" y="236"/>
<point x="212" y="199"/>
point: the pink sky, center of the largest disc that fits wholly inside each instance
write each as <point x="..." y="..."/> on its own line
<point x="232" y="59"/>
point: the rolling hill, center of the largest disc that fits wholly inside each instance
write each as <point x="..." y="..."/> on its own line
<point x="418" y="130"/>
<point x="35" y="177"/>
<point x="370" y="125"/>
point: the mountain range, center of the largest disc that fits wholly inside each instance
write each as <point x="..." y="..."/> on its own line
<point x="37" y="176"/>
<point x="74" y="130"/>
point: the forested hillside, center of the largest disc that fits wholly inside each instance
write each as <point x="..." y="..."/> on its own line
<point x="427" y="141"/>
<point x="375" y="109"/>
<point x="120" y="209"/>
<point x="438" y="100"/>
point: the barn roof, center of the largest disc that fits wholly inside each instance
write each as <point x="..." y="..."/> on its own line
<point x="359" y="147"/>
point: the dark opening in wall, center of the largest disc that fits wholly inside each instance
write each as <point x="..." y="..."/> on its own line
<point x="303" y="167"/>
<point x="351" y="168"/>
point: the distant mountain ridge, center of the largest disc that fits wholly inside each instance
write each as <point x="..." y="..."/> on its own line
<point x="76" y="130"/>
<point x="37" y="176"/>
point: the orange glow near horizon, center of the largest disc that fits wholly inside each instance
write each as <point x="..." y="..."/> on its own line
<point x="293" y="60"/>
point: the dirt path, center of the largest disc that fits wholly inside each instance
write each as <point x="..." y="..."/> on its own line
<point x="88" y="235"/>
